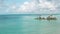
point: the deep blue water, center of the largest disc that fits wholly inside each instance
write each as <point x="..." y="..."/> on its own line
<point x="18" y="24"/>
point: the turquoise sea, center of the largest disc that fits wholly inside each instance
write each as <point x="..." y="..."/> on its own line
<point x="26" y="24"/>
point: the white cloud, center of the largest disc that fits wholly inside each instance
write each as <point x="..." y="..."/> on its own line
<point x="45" y="4"/>
<point x="32" y="7"/>
<point x="12" y="9"/>
<point x="27" y="7"/>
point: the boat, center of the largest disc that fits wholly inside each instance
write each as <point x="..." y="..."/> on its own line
<point x="51" y="17"/>
<point x="40" y="18"/>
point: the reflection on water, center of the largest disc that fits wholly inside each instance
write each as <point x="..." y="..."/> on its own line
<point x="28" y="25"/>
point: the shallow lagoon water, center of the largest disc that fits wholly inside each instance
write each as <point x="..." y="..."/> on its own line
<point x="28" y="25"/>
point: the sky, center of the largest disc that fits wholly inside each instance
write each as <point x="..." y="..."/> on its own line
<point x="29" y="6"/>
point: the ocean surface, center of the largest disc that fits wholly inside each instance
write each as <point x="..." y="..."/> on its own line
<point x="26" y="24"/>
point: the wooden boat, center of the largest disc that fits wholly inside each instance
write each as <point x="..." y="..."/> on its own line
<point x="51" y="18"/>
<point x="48" y="18"/>
<point x="40" y="18"/>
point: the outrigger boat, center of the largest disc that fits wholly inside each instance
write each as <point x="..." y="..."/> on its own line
<point x="51" y="17"/>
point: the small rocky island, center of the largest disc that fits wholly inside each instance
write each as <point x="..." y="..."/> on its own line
<point x="51" y="17"/>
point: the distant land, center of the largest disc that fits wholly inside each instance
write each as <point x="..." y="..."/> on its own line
<point x="26" y="14"/>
